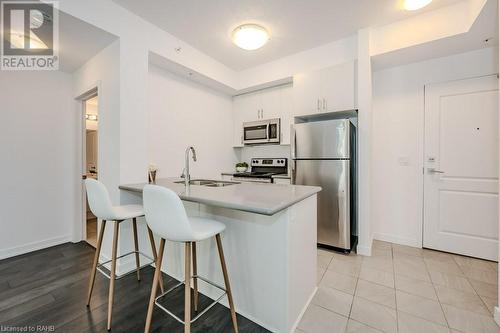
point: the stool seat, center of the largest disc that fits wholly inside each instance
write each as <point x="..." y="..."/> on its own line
<point x="125" y="212"/>
<point x="203" y="228"/>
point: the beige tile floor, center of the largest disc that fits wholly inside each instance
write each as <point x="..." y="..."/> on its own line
<point x="402" y="289"/>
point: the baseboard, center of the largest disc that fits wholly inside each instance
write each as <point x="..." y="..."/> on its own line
<point x="34" y="246"/>
<point x="364" y="250"/>
<point x="296" y="324"/>
<point x="496" y="315"/>
<point x="396" y="239"/>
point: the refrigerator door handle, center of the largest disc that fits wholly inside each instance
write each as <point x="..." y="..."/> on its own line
<point x="292" y="142"/>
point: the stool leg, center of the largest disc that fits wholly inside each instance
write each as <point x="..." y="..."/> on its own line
<point x="195" y="280"/>
<point x="113" y="273"/>
<point x="153" y="250"/>
<point x="96" y="260"/>
<point x="187" y="288"/>
<point x="136" y="246"/>
<point x="154" y="287"/>
<point x="226" y="282"/>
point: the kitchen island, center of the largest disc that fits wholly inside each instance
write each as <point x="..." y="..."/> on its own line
<point x="269" y="243"/>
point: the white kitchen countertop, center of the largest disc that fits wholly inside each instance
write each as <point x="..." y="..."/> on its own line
<point x="266" y="199"/>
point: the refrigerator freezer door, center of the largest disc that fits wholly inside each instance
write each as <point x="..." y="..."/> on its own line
<point x="323" y="139"/>
<point x="333" y="200"/>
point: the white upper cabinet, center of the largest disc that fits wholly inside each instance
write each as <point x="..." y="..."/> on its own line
<point x="264" y="104"/>
<point x="325" y="90"/>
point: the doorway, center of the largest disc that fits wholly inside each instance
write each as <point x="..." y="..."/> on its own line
<point x="90" y="161"/>
<point x="461" y="167"/>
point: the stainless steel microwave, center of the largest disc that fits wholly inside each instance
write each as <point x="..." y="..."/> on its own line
<point x="261" y="132"/>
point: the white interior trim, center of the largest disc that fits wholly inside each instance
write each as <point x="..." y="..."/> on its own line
<point x="79" y="226"/>
<point x="397" y="239"/>
<point x="34" y="246"/>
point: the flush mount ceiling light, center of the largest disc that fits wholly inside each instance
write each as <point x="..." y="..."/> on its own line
<point x="415" y="4"/>
<point x="91" y="117"/>
<point x="250" y="36"/>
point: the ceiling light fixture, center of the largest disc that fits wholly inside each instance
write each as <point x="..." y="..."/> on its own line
<point x="91" y="117"/>
<point x="416" y="4"/>
<point x="250" y="36"/>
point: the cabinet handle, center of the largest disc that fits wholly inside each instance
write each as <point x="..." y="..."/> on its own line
<point x="318" y="104"/>
<point x="324" y="104"/>
<point x="261" y="113"/>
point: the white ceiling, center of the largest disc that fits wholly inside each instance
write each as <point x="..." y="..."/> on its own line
<point x="485" y="27"/>
<point x="79" y="41"/>
<point x="295" y="25"/>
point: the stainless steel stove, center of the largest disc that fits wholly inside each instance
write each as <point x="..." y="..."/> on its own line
<point x="263" y="170"/>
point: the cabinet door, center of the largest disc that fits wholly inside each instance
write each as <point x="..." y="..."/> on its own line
<point x="245" y="108"/>
<point x="338" y="87"/>
<point x="286" y="114"/>
<point x="270" y="100"/>
<point x="306" y="92"/>
<point x="283" y="181"/>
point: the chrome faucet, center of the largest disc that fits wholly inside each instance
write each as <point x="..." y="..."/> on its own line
<point x="186" y="175"/>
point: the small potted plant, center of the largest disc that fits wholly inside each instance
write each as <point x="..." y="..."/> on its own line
<point x="152" y="173"/>
<point x="241" y="166"/>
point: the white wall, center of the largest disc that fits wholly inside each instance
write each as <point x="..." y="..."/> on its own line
<point x="102" y="71"/>
<point x="398" y="128"/>
<point x="182" y="113"/>
<point x="37" y="154"/>
<point x="245" y="154"/>
<point x="365" y="134"/>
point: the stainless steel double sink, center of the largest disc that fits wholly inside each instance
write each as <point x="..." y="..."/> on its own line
<point x="208" y="182"/>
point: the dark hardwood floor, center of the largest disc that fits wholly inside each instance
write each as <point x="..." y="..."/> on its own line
<point x="48" y="287"/>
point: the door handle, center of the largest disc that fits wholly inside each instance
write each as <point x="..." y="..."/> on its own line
<point x="432" y="170"/>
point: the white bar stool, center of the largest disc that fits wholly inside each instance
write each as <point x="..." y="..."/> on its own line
<point x="166" y="216"/>
<point x="101" y="207"/>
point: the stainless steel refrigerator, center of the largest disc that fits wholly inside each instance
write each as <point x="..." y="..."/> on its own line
<point x="324" y="154"/>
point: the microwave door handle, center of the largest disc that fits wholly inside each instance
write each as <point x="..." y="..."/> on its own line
<point x="268" y="131"/>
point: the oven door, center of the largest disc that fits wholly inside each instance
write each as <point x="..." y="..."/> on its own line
<point x="258" y="132"/>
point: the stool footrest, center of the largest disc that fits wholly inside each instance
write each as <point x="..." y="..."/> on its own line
<point x="99" y="267"/>
<point x="202" y="312"/>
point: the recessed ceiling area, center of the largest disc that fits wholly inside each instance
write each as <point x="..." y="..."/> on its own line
<point x="294" y="25"/>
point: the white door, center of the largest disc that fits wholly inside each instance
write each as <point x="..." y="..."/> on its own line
<point x="461" y="167"/>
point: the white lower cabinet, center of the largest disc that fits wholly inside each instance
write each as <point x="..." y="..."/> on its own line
<point x="286" y="181"/>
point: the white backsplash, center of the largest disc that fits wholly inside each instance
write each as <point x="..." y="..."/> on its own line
<point x="245" y="154"/>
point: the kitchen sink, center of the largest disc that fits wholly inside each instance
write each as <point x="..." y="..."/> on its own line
<point x="208" y="182"/>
